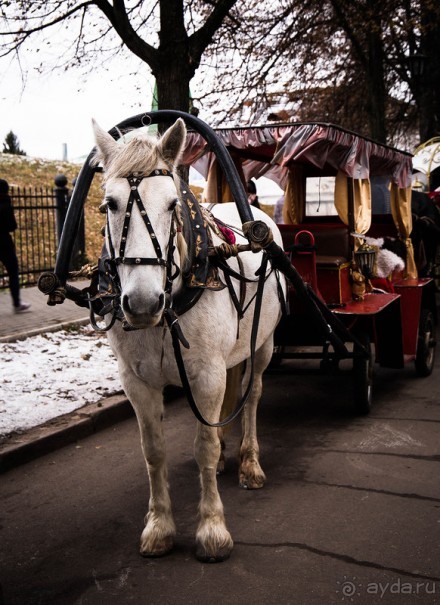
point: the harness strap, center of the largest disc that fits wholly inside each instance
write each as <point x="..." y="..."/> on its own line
<point x="281" y="296"/>
<point x="128" y="260"/>
<point x="223" y="265"/>
<point x="176" y="334"/>
<point x="238" y="304"/>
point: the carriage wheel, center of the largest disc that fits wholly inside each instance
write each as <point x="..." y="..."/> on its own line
<point x="362" y="375"/>
<point x="425" y="355"/>
<point x="436" y="269"/>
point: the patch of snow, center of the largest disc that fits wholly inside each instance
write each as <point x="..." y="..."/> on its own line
<point x="52" y="374"/>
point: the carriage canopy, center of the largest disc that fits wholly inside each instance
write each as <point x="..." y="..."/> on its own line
<point x="290" y="153"/>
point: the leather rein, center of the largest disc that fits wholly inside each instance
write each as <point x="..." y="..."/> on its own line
<point x="169" y="313"/>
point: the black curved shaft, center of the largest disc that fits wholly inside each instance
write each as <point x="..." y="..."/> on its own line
<point x="87" y="172"/>
<point x="73" y="218"/>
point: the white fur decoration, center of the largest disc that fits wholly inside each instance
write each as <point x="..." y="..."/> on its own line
<point x="386" y="261"/>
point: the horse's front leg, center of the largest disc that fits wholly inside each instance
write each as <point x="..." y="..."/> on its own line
<point x="213" y="540"/>
<point x="157" y="536"/>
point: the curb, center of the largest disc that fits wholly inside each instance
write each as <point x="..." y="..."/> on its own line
<point x="65" y="325"/>
<point x="20" y="448"/>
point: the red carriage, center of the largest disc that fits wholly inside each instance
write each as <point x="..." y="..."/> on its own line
<point x="347" y="231"/>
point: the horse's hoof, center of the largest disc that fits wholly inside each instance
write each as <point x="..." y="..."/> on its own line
<point x="222" y="555"/>
<point x="251" y="475"/>
<point x="160" y="550"/>
<point x="252" y="483"/>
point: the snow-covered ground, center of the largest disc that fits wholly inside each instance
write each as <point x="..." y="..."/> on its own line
<point x="52" y="374"/>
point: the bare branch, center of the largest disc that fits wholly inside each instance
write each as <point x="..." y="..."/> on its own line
<point x="117" y="15"/>
<point x="203" y="37"/>
<point x="46" y="25"/>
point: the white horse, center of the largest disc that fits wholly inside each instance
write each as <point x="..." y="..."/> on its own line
<point x="146" y="360"/>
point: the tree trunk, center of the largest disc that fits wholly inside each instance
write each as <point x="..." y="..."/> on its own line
<point x="174" y="69"/>
<point x="429" y="84"/>
<point x="173" y="87"/>
<point x="376" y="80"/>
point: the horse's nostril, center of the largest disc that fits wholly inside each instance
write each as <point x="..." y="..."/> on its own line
<point x="125" y="304"/>
<point x="160" y="303"/>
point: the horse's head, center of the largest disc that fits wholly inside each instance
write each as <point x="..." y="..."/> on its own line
<point x="141" y="194"/>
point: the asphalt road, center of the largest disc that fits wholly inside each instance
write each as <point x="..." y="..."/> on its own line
<point x="350" y="512"/>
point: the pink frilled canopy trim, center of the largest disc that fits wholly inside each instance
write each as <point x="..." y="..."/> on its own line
<point x="270" y="150"/>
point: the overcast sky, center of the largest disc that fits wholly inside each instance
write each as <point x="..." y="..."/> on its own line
<point x="58" y="108"/>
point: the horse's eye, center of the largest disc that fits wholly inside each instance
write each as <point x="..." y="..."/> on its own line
<point x="172" y="205"/>
<point x="111" y="203"/>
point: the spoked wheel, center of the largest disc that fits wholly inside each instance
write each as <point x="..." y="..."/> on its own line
<point x="362" y="375"/>
<point x="425" y="355"/>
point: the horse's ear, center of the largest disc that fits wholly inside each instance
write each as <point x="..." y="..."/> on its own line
<point x="172" y="141"/>
<point x="105" y="143"/>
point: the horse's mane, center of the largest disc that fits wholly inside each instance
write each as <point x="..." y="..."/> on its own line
<point x="139" y="154"/>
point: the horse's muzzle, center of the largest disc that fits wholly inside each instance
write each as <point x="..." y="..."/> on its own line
<point x="143" y="314"/>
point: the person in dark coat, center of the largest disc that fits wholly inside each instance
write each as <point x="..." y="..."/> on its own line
<point x="252" y="194"/>
<point x="426" y="231"/>
<point x="8" y="255"/>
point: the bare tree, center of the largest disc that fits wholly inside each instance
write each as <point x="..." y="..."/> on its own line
<point x="385" y="36"/>
<point x="336" y="60"/>
<point x="168" y="35"/>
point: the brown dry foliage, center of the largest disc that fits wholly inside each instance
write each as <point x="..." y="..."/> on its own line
<point x="23" y="171"/>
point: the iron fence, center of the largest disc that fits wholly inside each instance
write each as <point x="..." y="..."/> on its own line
<point x="36" y="236"/>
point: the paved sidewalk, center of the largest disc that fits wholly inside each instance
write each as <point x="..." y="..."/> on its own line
<point x="40" y="318"/>
<point x="60" y="431"/>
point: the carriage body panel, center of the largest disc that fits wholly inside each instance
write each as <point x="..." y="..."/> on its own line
<point x="331" y="271"/>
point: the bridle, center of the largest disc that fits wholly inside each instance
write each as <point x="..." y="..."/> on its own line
<point x="114" y="260"/>
<point x="134" y="180"/>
